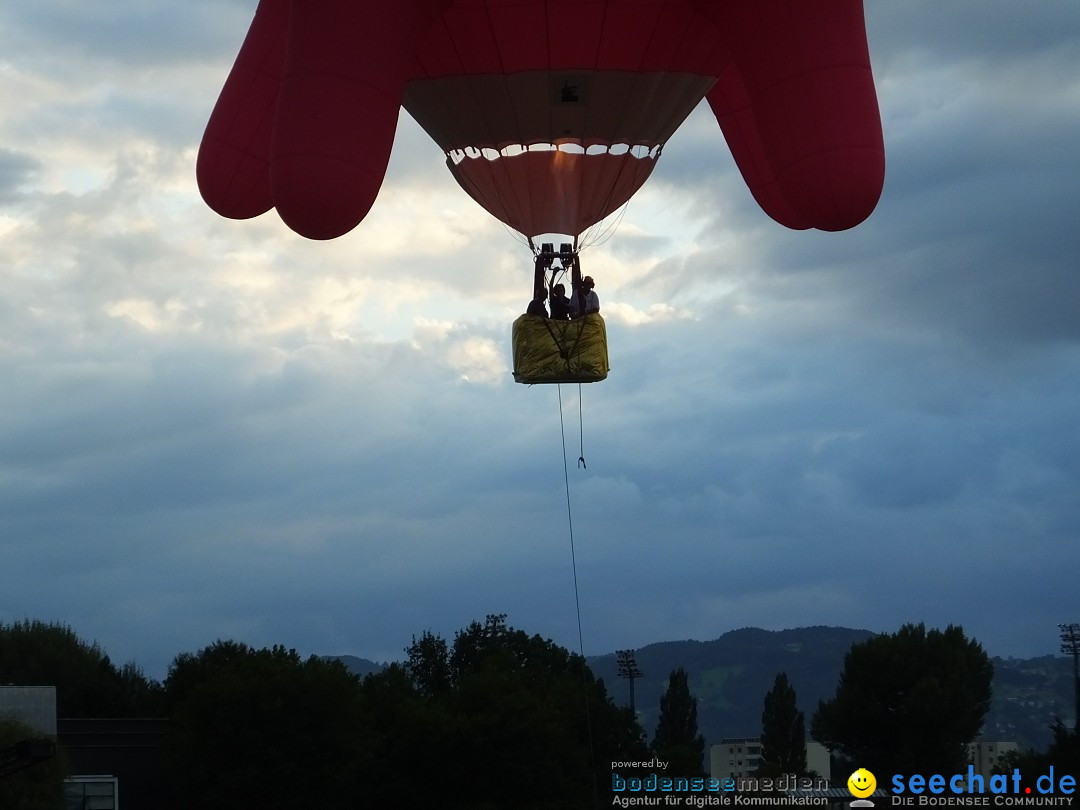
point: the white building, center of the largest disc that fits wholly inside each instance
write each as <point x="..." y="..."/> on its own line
<point x="33" y="706"/>
<point x="734" y="756"/>
<point x="984" y="755"/>
<point x="741" y="756"/>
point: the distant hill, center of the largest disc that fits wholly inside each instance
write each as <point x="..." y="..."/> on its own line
<point x="731" y="675"/>
<point x="357" y="666"/>
<point x="1029" y="694"/>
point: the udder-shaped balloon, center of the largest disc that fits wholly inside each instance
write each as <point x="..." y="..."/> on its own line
<point x="551" y="114"/>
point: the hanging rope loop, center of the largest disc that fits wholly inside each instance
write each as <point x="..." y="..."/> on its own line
<point x="581" y="431"/>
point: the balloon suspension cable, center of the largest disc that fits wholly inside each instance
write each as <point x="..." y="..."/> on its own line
<point x="610" y="224"/>
<point x="577" y="596"/>
<point x="517" y="236"/>
<point x="608" y="227"/>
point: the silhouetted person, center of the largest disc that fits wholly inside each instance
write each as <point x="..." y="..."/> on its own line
<point x="560" y="304"/>
<point x="585" y="300"/>
<point x="536" y="306"/>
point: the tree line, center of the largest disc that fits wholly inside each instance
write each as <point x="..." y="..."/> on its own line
<point x="491" y="718"/>
<point x="905" y="703"/>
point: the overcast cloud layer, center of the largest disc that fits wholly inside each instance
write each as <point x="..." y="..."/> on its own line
<point x="215" y="429"/>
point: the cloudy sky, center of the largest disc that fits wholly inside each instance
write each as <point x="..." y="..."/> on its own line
<point x="216" y="429"/>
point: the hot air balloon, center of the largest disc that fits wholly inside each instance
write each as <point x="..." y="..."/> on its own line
<point x="551" y="113"/>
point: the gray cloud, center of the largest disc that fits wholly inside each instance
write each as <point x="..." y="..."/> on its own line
<point x="62" y="36"/>
<point x="217" y="429"/>
<point x="16" y="169"/>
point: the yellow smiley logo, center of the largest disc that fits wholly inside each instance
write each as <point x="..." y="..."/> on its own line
<point x="861" y="783"/>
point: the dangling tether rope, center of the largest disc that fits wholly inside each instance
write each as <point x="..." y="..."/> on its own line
<point x="570" y="522"/>
<point x="577" y="596"/>
<point x="581" y="430"/>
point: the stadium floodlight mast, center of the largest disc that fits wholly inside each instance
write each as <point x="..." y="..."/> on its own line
<point x="628" y="668"/>
<point x="1070" y="644"/>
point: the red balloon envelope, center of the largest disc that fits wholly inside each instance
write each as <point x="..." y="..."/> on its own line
<point x="551" y="113"/>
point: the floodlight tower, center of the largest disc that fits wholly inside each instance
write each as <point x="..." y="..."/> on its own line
<point x="628" y="668"/>
<point x="1070" y="644"/>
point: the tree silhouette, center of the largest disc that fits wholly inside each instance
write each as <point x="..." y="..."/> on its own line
<point x="517" y="720"/>
<point x="262" y="728"/>
<point x="87" y="683"/>
<point x="677" y="740"/>
<point x="783" y="731"/>
<point x="497" y="719"/>
<point x="908" y="702"/>
<point x="428" y="664"/>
